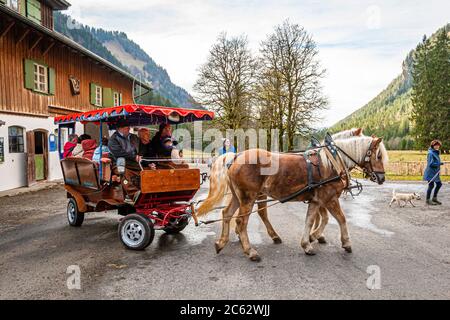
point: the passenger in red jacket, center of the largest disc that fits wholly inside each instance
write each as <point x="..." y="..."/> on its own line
<point x="89" y="147"/>
<point x="70" y="145"/>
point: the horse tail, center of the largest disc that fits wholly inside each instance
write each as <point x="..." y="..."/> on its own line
<point x="218" y="184"/>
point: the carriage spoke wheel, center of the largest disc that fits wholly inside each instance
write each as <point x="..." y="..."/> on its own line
<point x="136" y="232"/>
<point x="74" y="217"/>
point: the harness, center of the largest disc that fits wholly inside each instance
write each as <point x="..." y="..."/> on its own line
<point x="367" y="173"/>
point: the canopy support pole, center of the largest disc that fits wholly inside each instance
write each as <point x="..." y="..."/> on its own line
<point x="100" y="164"/>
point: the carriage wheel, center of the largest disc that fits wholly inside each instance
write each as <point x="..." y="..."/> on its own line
<point x="177" y="227"/>
<point x="74" y="217"/>
<point x="136" y="232"/>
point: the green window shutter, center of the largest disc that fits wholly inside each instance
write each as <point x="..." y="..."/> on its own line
<point x="23" y="7"/>
<point x="51" y="81"/>
<point x="108" y="100"/>
<point x="29" y="74"/>
<point x="93" y="93"/>
<point x="34" y="10"/>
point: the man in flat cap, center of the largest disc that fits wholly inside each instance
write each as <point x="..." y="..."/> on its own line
<point x="124" y="144"/>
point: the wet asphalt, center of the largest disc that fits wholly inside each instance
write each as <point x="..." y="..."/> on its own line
<point x="410" y="247"/>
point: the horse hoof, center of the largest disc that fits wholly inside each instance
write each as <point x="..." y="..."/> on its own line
<point x="277" y="240"/>
<point x="309" y="250"/>
<point x="348" y="249"/>
<point x="322" y="240"/>
<point x="218" y="248"/>
<point x="255" y="258"/>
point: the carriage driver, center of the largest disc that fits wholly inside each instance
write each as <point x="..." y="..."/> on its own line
<point x="124" y="144"/>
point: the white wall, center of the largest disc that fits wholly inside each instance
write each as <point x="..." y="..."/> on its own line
<point x="13" y="171"/>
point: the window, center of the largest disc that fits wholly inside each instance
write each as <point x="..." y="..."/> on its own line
<point x="16" y="141"/>
<point x="98" y="96"/>
<point x="40" y="78"/>
<point x="13" y="4"/>
<point x="116" y="99"/>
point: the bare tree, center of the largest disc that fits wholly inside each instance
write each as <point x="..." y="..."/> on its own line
<point x="289" y="87"/>
<point x="226" y="81"/>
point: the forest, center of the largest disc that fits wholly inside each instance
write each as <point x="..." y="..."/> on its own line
<point x="391" y="114"/>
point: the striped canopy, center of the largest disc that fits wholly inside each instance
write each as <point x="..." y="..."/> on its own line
<point x="138" y="115"/>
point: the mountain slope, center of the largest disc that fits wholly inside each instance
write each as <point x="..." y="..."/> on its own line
<point x="126" y="54"/>
<point x="388" y="115"/>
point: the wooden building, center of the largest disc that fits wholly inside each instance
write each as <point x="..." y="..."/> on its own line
<point x="44" y="74"/>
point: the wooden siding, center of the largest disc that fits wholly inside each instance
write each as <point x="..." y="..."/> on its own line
<point x="46" y="16"/>
<point x="14" y="98"/>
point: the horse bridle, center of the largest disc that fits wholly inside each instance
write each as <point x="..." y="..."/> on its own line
<point x="371" y="173"/>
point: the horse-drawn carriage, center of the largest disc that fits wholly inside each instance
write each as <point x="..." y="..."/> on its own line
<point x="163" y="201"/>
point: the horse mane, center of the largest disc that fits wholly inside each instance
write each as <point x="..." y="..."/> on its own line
<point x="344" y="134"/>
<point x="357" y="148"/>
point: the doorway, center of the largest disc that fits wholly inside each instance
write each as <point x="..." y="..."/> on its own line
<point x="41" y="154"/>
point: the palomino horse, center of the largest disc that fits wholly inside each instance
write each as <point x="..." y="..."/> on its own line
<point x="247" y="183"/>
<point x="217" y="175"/>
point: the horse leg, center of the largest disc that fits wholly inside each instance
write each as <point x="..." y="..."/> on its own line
<point x="242" y="223"/>
<point x="262" y="211"/>
<point x="227" y="214"/>
<point x="313" y="210"/>
<point x="335" y="209"/>
<point x="319" y="229"/>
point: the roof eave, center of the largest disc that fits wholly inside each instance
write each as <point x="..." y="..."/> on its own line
<point x="69" y="42"/>
<point x="58" y="4"/>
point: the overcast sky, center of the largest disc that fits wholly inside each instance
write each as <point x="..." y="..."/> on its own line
<point x="362" y="43"/>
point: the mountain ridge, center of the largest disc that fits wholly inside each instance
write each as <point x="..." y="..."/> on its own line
<point x="117" y="48"/>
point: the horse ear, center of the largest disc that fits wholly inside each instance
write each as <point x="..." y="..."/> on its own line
<point x="378" y="141"/>
<point x="358" y="132"/>
<point x="374" y="136"/>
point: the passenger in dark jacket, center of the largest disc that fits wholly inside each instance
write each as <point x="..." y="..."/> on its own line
<point x="145" y="144"/>
<point x="165" y="131"/>
<point x="145" y="148"/>
<point x="124" y="144"/>
<point x="432" y="172"/>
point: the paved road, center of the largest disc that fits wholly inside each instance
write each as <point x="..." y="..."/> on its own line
<point x="411" y="246"/>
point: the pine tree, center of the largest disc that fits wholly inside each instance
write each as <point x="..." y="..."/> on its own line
<point x="431" y="91"/>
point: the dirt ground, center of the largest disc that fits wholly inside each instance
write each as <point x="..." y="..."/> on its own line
<point x="410" y="246"/>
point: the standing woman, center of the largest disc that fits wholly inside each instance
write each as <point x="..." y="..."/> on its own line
<point x="433" y="172"/>
<point x="227" y="147"/>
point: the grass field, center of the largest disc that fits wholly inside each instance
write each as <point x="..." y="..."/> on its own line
<point x="401" y="156"/>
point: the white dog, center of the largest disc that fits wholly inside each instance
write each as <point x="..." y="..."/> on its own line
<point x="405" y="197"/>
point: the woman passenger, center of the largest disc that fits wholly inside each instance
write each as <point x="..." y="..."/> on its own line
<point x="145" y="149"/>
